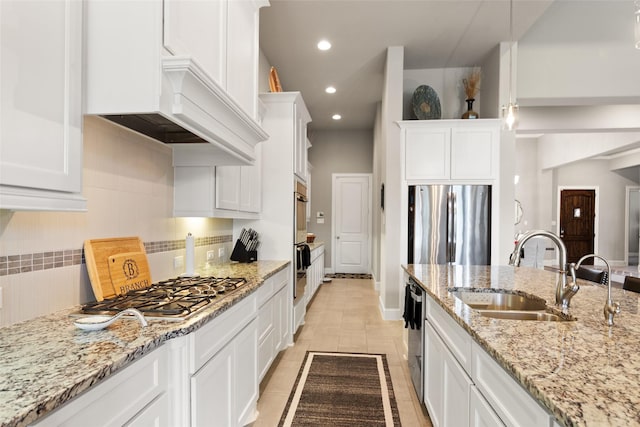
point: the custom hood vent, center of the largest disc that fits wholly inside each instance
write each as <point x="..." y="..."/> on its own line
<point x="183" y="107"/>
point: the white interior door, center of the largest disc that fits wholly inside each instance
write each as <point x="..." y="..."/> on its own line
<point x="351" y="223"/>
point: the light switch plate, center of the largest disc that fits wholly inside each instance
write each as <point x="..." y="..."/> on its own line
<point x="211" y="255"/>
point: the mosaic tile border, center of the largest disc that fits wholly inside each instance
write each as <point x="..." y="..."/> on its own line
<point x="25" y="263"/>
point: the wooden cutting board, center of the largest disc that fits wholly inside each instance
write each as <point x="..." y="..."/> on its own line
<point x="97" y="253"/>
<point x="129" y="270"/>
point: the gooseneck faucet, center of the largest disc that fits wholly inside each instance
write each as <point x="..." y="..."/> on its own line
<point x="610" y="308"/>
<point x="564" y="291"/>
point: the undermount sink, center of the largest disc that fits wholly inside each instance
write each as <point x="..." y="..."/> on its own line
<point x="500" y="301"/>
<point x="525" y="315"/>
<point x="500" y="304"/>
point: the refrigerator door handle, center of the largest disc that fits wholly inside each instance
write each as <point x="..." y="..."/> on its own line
<point x="454" y="204"/>
<point x="450" y="226"/>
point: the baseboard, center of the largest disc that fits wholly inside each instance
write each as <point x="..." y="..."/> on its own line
<point x="389" y="314"/>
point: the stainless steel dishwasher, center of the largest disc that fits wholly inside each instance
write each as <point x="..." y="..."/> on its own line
<point x="415" y="339"/>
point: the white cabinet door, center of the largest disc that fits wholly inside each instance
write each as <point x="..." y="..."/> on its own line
<point x="472" y="153"/>
<point x="456" y="387"/>
<point x="433" y="375"/>
<point x="41" y="105"/>
<point x="242" y="54"/>
<point x="155" y="414"/>
<point x="251" y="185"/>
<point x="228" y="187"/>
<point x="212" y="391"/>
<point x="427" y="153"/>
<point x="121" y="398"/>
<point x="480" y="412"/>
<point x="446" y="383"/>
<point x="453" y="150"/>
<point x="198" y="29"/>
<point x="246" y="374"/>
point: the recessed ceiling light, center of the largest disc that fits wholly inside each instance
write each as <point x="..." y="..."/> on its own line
<point x="324" y="45"/>
<point x="330" y="89"/>
<point x="336" y="117"/>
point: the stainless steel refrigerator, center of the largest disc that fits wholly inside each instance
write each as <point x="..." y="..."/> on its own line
<point x="450" y="224"/>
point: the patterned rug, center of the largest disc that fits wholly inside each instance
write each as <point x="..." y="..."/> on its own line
<point x="349" y="276"/>
<point x="342" y="389"/>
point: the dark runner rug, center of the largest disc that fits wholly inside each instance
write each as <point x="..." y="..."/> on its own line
<point x="342" y="389"/>
<point x="349" y="276"/>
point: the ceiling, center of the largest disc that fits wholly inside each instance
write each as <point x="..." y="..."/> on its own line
<point x="435" y="34"/>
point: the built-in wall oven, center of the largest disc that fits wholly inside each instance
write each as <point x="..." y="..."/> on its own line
<point x="301" y="253"/>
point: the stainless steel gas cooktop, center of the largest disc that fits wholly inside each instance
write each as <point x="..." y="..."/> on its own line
<point x="173" y="299"/>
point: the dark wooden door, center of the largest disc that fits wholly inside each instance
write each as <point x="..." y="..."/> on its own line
<point x="577" y="219"/>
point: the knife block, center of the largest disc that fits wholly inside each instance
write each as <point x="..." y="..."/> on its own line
<point x="241" y="254"/>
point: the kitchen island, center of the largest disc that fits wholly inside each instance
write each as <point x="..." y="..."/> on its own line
<point x="47" y="361"/>
<point x="582" y="372"/>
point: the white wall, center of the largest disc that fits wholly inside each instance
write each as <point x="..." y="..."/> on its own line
<point x="128" y="184"/>
<point x="526" y="190"/>
<point x="447" y="83"/>
<point x="571" y="55"/>
<point x="391" y="111"/>
<point x="335" y="152"/>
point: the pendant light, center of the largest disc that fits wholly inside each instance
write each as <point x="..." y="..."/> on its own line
<point x="510" y="111"/>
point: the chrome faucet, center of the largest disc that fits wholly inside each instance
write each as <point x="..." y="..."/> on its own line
<point x="610" y="308"/>
<point x="564" y="291"/>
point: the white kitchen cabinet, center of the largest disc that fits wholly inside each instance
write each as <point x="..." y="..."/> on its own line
<point x="481" y="414"/>
<point x="202" y="189"/>
<point x="447" y="150"/>
<point x="272" y="320"/>
<point x="180" y="71"/>
<point x="315" y="272"/>
<point x="239" y="188"/>
<point x="129" y="397"/>
<point x="464" y="386"/>
<point x="301" y="142"/>
<point x="224" y="368"/>
<point x="447" y="385"/>
<point x="510" y="401"/>
<point x="294" y="117"/>
<point x="41" y="105"/>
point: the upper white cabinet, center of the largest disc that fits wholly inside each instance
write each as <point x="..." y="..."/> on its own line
<point x="451" y="149"/>
<point x="301" y="143"/>
<point x="239" y="188"/>
<point x="289" y="109"/>
<point x="183" y="72"/>
<point x="202" y="189"/>
<point x="40" y="105"/>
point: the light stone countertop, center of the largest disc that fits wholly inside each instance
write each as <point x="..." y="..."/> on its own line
<point x="584" y="372"/>
<point x="47" y="361"/>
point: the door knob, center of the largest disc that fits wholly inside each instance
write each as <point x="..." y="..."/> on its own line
<point x="338" y="237"/>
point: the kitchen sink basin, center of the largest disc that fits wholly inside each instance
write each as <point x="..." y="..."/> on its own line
<point x="507" y="305"/>
<point x="525" y="315"/>
<point x="500" y="301"/>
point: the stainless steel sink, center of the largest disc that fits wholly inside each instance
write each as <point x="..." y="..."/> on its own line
<point x="500" y="301"/>
<point x="525" y="315"/>
<point x="507" y="305"/>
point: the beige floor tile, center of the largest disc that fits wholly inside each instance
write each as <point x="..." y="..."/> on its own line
<point x="343" y="316"/>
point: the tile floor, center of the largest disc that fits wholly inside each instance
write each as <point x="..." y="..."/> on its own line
<point x="343" y="316"/>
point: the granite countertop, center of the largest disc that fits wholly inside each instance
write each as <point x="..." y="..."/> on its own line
<point x="584" y="372"/>
<point x="47" y="361"/>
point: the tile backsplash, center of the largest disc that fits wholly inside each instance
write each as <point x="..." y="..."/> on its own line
<point x="128" y="184"/>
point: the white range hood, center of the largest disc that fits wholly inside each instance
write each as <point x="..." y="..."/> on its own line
<point x="193" y="109"/>
<point x="136" y="76"/>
